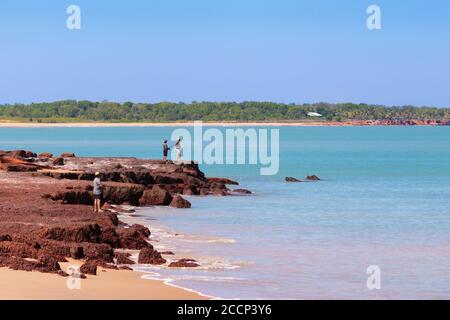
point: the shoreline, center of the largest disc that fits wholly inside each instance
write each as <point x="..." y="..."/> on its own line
<point x="356" y="123"/>
<point x="41" y="186"/>
<point x="130" y="219"/>
<point x="106" y="285"/>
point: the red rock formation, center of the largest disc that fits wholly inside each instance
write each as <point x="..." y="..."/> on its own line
<point x="89" y="268"/>
<point x="123" y="193"/>
<point x="150" y="256"/>
<point x="58" y="161"/>
<point x="47" y="215"/>
<point x="243" y="191"/>
<point x="134" y="237"/>
<point x="123" y="258"/>
<point x="156" y="196"/>
<point x="184" y="263"/>
<point x="292" y="179"/>
<point x="45" y="155"/>
<point x="17" y="249"/>
<point x="179" y="202"/>
<point x="82" y="233"/>
<point x="67" y="155"/>
<point x="20" y="154"/>
<point x="222" y="181"/>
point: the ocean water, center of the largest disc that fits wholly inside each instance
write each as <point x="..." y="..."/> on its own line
<point x="383" y="201"/>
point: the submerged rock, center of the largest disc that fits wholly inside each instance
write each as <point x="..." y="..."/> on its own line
<point x="184" y="263"/>
<point x="313" y="178"/>
<point x="244" y="191"/>
<point x="292" y="179"/>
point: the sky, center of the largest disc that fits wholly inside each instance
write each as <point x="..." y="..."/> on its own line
<point x="289" y="51"/>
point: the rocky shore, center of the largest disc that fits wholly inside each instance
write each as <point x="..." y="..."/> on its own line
<point x="47" y="217"/>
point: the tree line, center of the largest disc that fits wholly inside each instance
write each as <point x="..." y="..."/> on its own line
<point x="73" y="110"/>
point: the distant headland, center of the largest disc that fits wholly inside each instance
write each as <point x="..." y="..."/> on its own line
<point x="105" y="113"/>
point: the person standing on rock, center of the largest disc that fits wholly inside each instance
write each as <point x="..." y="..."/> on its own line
<point x="165" y="150"/>
<point x="178" y="148"/>
<point x="98" y="192"/>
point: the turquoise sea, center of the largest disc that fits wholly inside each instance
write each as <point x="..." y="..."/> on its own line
<point x="383" y="200"/>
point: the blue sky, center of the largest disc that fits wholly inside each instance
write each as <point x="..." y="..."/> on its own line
<point x="226" y="50"/>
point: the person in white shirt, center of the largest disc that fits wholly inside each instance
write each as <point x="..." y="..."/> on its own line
<point x="98" y="193"/>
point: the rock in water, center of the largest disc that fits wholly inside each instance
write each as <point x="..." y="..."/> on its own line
<point x="156" y="196"/>
<point x="184" y="263"/>
<point x="150" y="256"/>
<point x="222" y="181"/>
<point x="179" y="202"/>
<point x="244" y="191"/>
<point x="313" y="178"/>
<point x="292" y="179"/>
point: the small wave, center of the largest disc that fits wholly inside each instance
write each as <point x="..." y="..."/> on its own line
<point x="206" y="263"/>
<point x="164" y="233"/>
<point x="202" y="278"/>
<point x="168" y="281"/>
<point x="209" y="240"/>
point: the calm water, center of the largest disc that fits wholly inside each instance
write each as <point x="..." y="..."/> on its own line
<point x="383" y="201"/>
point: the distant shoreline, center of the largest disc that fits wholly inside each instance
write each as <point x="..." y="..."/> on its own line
<point x="13" y="124"/>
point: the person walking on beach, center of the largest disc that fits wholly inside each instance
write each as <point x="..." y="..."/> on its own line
<point x="165" y="150"/>
<point x="98" y="192"/>
<point x="178" y="148"/>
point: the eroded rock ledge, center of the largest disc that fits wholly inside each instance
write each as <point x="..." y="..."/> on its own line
<point x="46" y="214"/>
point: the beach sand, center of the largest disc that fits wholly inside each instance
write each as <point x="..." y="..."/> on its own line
<point x="107" y="284"/>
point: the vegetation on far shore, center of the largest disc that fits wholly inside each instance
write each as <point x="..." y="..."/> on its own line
<point x="106" y="111"/>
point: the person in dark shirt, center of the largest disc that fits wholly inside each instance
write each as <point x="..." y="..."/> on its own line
<point x="165" y="150"/>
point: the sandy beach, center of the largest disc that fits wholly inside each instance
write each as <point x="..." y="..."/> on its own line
<point x="106" y="285"/>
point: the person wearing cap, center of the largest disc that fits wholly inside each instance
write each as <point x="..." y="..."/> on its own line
<point x="165" y="150"/>
<point x="98" y="191"/>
